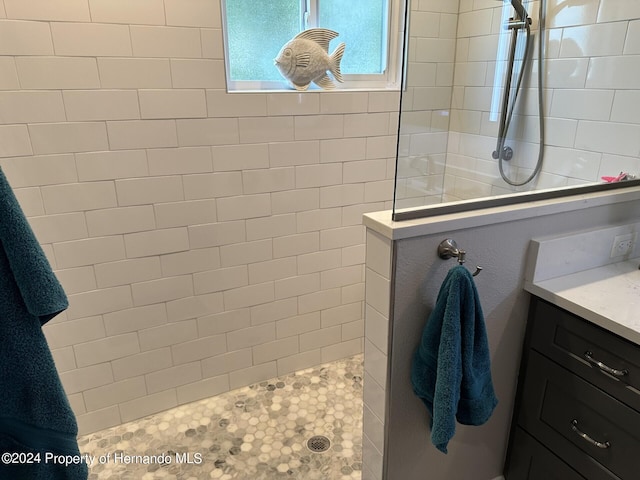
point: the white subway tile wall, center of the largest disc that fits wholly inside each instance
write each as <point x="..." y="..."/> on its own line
<point x="206" y="240"/>
<point x="377" y="330"/>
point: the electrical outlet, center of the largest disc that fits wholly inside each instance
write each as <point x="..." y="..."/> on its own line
<point x="622" y="244"/>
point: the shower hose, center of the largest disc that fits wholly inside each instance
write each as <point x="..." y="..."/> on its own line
<point x="527" y="56"/>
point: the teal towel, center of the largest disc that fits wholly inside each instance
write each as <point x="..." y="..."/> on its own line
<point x="35" y="415"/>
<point x="451" y="370"/>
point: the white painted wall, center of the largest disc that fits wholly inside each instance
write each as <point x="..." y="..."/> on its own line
<point x="206" y="240"/>
<point x="397" y="442"/>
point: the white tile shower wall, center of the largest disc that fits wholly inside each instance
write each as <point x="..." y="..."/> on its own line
<point x="377" y="313"/>
<point x="206" y="240"/>
<point x="589" y="98"/>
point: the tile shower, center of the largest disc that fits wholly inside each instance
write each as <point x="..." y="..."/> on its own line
<point x="259" y="432"/>
<point x="207" y="241"/>
<point x="211" y="241"/>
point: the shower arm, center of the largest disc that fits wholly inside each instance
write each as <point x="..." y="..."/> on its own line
<point x="521" y="12"/>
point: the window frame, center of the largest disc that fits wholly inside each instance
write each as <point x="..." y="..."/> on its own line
<point x="389" y="79"/>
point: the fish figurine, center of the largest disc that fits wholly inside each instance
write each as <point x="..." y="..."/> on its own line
<point x="305" y="59"/>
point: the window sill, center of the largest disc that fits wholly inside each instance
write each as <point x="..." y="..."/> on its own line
<point x="341" y="89"/>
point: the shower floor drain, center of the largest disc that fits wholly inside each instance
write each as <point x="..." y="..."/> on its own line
<point x="318" y="444"/>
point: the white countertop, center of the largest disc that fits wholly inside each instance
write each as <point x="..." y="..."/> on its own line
<point x="608" y="296"/>
<point x="381" y="222"/>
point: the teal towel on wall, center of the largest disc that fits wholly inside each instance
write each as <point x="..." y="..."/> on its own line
<point x="451" y="370"/>
<point x="35" y="415"/>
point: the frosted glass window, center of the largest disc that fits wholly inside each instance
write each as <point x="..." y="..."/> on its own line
<point x="256" y="31"/>
<point x="255" y="40"/>
<point x="362" y="26"/>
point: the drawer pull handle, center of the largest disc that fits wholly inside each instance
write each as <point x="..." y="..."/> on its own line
<point x="595" y="443"/>
<point x="605" y="368"/>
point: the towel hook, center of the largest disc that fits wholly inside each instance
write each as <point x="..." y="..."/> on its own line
<point x="449" y="248"/>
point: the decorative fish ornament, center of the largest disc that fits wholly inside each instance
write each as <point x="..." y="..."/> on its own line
<point x="306" y="59"/>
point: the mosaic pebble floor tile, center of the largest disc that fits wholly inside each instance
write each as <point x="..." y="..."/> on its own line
<point x="258" y="432"/>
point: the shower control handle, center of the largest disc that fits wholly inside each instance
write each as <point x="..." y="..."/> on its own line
<point x="507" y="154"/>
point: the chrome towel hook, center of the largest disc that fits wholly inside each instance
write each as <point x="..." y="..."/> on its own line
<point x="449" y="248"/>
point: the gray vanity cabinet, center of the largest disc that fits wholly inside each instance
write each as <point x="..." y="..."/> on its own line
<point x="577" y="411"/>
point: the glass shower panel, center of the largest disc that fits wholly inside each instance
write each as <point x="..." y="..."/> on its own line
<point x="454" y="86"/>
<point x="427" y="95"/>
<point x="457" y="55"/>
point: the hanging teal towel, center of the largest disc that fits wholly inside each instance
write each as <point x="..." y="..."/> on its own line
<point x="451" y="369"/>
<point x="36" y="420"/>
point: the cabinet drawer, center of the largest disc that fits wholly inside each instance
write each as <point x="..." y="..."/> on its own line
<point x="566" y="339"/>
<point x="530" y="460"/>
<point x="557" y="405"/>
